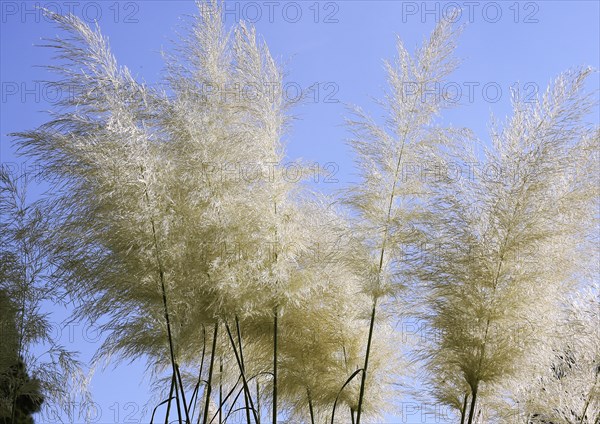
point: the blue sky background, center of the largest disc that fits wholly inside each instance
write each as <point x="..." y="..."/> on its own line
<point x="342" y="48"/>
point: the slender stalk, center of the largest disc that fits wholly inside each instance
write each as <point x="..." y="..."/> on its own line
<point x="244" y="381"/>
<point x="463" y="411"/>
<point x="183" y="400"/>
<point x="220" y="389"/>
<point x="364" y="375"/>
<point x="354" y="374"/>
<point x="275" y="316"/>
<point x="473" y="402"/>
<point x="352" y="415"/>
<point x="210" y="374"/>
<point x="177" y="398"/>
<point x="381" y="255"/>
<point x="310" y="407"/>
<point x="222" y="404"/>
<point x="170" y="399"/>
<point x="487" y="325"/>
<point x="161" y="274"/>
<point x="158" y="406"/>
<point x="494" y="287"/>
<point x="258" y="400"/>
<point x="246" y="393"/>
<point x="164" y="296"/>
<point x="231" y="410"/>
<point x="276" y="312"/>
<point x="194" y="399"/>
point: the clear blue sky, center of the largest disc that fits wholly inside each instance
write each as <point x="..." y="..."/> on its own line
<point x="340" y="45"/>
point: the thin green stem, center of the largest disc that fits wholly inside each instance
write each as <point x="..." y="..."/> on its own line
<point x="156" y="407"/>
<point x="381" y="256"/>
<point x="183" y="400"/>
<point x="258" y="400"/>
<point x="364" y="379"/>
<point x="246" y="393"/>
<point x="170" y="399"/>
<point x="161" y="274"/>
<point x="220" y="389"/>
<point x="210" y="374"/>
<point x="463" y="411"/>
<point x="194" y="399"/>
<point x="473" y="403"/>
<point x="310" y="407"/>
<point x="222" y="403"/>
<point x="354" y="374"/>
<point x="239" y="361"/>
<point x="276" y="313"/>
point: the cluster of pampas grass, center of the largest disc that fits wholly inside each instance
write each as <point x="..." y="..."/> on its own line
<point x="248" y="293"/>
<point x="511" y="247"/>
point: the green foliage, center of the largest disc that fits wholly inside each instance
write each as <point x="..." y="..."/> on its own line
<point x="28" y="345"/>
